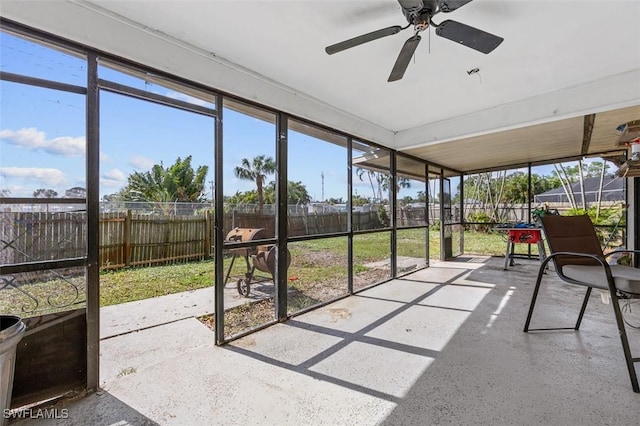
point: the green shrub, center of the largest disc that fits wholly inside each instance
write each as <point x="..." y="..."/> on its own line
<point x="383" y="217"/>
<point x="609" y="223"/>
<point x="612" y="215"/>
<point x="481" y="217"/>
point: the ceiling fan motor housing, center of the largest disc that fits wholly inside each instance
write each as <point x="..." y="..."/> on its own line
<point x="422" y="21"/>
<point x="419" y="12"/>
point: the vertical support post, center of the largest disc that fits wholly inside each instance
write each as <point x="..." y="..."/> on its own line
<point x="508" y="253"/>
<point x="443" y="249"/>
<point x="127" y="237"/>
<point x="529" y="196"/>
<point x="218" y="226"/>
<point x="207" y="235"/>
<point x="462" y="214"/>
<point x="393" y="215"/>
<point x="350" y="215"/>
<point x="93" y="222"/>
<point x="282" y="215"/>
<point x="633" y="218"/>
<point x="427" y="215"/>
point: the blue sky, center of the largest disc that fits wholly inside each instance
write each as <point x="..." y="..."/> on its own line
<point x="42" y="134"/>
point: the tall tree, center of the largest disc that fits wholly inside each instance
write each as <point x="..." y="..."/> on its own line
<point x="372" y="176"/>
<point x="569" y="175"/>
<point x="296" y="193"/>
<point x="596" y="168"/>
<point x="582" y="192"/>
<point x="517" y="187"/>
<point x="247" y="197"/>
<point x="358" y="200"/>
<point x="75" y="192"/>
<point x="565" y="174"/>
<point x="401" y="182"/>
<point x="45" y="193"/>
<point x="112" y="197"/>
<point x="380" y="182"/>
<point x="178" y="182"/>
<point x="256" y="170"/>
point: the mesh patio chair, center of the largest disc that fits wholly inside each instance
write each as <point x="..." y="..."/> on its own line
<point x="578" y="258"/>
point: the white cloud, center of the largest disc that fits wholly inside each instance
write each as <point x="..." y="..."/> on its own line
<point x="33" y="139"/>
<point x="104" y="157"/>
<point x="34" y="174"/>
<point x="17" y="190"/>
<point x="141" y="163"/>
<point x="112" y="178"/>
<point x="114" y="174"/>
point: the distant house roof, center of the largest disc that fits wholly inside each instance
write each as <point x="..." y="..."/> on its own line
<point x="613" y="189"/>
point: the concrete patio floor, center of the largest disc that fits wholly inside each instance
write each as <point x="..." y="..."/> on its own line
<point x="443" y="345"/>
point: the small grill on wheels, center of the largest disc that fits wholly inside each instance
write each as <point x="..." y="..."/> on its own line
<point x="263" y="257"/>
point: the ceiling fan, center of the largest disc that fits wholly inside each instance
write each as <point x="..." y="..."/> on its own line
<point x="419" y="13"/>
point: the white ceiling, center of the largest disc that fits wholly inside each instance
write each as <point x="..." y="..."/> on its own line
<point x="560" y="60"/>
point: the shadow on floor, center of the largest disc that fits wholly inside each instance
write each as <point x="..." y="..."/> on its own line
<point x="443" y="345"/>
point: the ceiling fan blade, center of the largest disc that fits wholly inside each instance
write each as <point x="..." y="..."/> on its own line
<point x="468" y="36"/>
<point x="447" y="6"/>
<point x="404" y="58"/>
<point x="365" y="38"/>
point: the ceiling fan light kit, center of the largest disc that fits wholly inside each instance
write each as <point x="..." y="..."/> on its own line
<point x="419" y="14"/>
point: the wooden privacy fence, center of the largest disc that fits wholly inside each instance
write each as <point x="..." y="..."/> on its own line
<point x="38" y="236"/>
<point x="305" y="224"/>
<point x="137" y="239"/>
<point x="129" y="239"/>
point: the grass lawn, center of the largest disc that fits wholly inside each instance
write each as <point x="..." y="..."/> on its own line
<point x="43" y="293"/>
<point x="313" y="262"/>
<point x="130" y="284"/>
<point x="316" y="265"/>
<point x="493" y="244"/>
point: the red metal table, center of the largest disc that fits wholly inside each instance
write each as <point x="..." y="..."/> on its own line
<point x="523" y="236"/>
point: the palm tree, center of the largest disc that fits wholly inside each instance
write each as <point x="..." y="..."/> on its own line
<point x="370" y="175"/>
<point x="401" y="182"/>
<point x="296" y="193"/>
<point x="178" y="182"/>
<point x="256" y="171"/>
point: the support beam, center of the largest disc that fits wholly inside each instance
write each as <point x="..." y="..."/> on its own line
<point x="282" y="216"/>
<point x="218" y="234"/>
<point x="93" y="225"/>
<point x="589" y="120"/>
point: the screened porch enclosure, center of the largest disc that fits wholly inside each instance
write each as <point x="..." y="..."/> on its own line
<point x="124" y="182"/>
